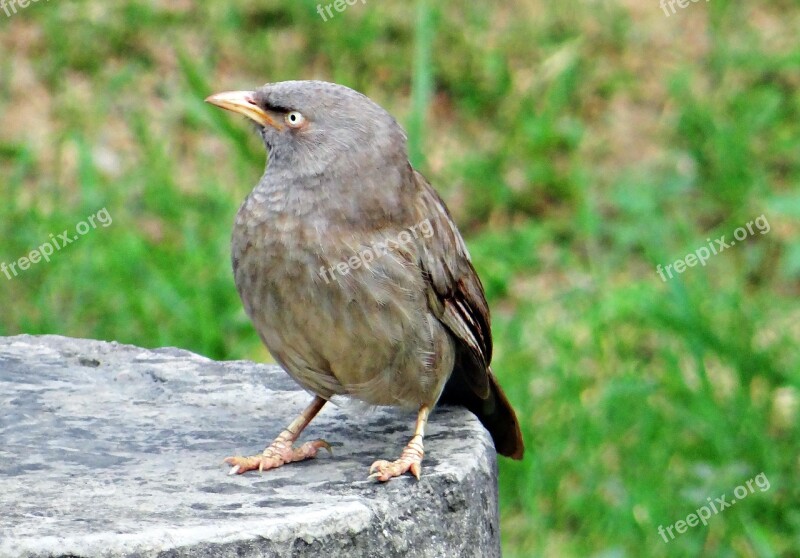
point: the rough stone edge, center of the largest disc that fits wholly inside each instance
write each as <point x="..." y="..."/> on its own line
<point x="468" y="529"/>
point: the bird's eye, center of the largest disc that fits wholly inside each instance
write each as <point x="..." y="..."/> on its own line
<point x="294" y="119"/>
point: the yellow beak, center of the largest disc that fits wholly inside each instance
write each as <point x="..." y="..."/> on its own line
<point x="244" y="103"/>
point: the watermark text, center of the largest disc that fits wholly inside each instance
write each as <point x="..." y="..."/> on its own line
<point x="682" y="4"/>
<point x="702" y="254"/>
<point x="56" y="243"/>
<point x="10" y="6"/>
<point x="338" y="5"/>
<point x="704" y="513"/>
<point x="376" y="250"/>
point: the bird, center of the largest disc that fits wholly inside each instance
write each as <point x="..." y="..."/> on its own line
<point x="354" y="274"/>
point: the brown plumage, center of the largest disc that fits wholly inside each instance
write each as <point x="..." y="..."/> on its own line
<point x="354" y="273"/>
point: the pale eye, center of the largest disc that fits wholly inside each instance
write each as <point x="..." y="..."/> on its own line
<point x="294" y="119"/>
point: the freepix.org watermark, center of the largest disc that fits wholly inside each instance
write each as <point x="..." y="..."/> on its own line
<point x="704" y="513"/>
<point x="56" y="243"/>
<point x="377" y="250"/>
<point x="10" y="6"/>
<point x="702" y="254"/>
<point x="682" y="4"/>
<point x="338" y="5"/>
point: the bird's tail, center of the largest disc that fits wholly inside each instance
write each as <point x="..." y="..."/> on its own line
<point x="494" y="412"/>
<point x="498" y="417"/>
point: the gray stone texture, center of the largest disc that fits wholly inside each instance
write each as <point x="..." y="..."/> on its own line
<point x="115" y="450"/>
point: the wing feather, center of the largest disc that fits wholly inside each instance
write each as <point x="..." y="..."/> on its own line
<point x="456" y="296"/>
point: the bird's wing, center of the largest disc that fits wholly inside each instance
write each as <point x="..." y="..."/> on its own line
<point x="455" y="294"/>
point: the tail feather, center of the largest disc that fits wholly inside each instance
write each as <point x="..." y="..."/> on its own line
<point x="494" y="412"/>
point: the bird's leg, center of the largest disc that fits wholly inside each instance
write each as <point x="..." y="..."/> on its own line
<point x="410" y="459"/>
<point x="281" y="451"/>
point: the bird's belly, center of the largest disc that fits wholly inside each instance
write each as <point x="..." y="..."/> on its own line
<point x="345" y="329"/>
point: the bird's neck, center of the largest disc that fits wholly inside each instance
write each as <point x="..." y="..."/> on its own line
<point x="337" y="197"/>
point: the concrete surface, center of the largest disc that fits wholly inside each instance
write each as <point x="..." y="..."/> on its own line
<point x="114" y="450"/>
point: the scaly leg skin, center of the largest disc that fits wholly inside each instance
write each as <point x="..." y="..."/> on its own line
<point x="410" y="459"/>
<point x="281" y="451"/>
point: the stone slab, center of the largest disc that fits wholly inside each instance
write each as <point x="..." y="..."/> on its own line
<point x="113" y="450"/>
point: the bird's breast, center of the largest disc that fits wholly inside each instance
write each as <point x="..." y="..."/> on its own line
<point x="342" y="311"/>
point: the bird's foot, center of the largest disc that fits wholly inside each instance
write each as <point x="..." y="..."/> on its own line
<point x="278" y="453"/>
<point x="410" y="460"/>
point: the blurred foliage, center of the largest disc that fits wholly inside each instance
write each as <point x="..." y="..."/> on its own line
<point x="579" y="145"/>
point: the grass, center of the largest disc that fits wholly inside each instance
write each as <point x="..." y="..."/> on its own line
<point x="579" y="145"/>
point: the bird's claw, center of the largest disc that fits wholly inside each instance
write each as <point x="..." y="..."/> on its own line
<point x="325" y="445"/>
<point x="383" y="470"/>
<point x="276" y="455"/>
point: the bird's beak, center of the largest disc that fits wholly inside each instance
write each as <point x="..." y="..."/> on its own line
<point x="244" y="103"/>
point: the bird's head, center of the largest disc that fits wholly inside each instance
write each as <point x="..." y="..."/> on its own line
<point x="312" y="127"/>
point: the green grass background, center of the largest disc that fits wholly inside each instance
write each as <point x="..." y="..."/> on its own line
<point x="579" y="144"/>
